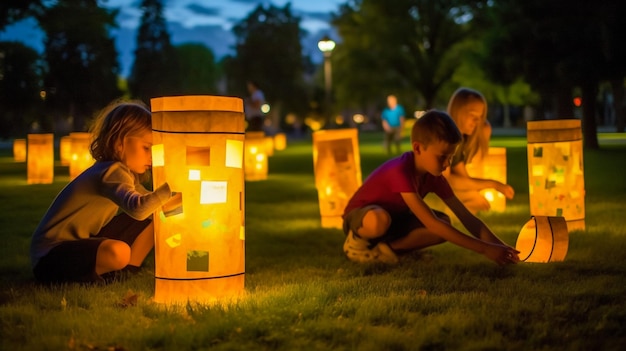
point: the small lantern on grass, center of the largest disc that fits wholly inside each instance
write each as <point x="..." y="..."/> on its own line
<point x="198" y="144"/>
<point x="543" y="239"/>
<point x="40" y="158"/>
<point x="337" y="165"/>
<point x="19" y="150"/>
<point x="65" y="150"/>
<point x="555" y="170"/>
<point x="80" y="157"/>
<point x="269" y="145"/>
<point x="255" y="159"/>
<point x="280" y="141"/>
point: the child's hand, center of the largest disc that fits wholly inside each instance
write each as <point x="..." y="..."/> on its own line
<point x="501" y="254"/>
<point x="506" y="190"/>
<point x="173" y="205"/>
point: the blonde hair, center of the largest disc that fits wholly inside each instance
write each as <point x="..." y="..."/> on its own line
<point x="477" y="141"/>
<point x="115" y="122"/>
<point x="435" y="126"/>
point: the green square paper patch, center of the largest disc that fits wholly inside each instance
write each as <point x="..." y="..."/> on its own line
<point x="197" y="261"/>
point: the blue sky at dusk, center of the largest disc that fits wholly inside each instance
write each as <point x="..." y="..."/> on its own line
<point x="206" y="21"/>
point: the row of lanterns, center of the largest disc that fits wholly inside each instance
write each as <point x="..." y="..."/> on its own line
<point x="202" y="151"/>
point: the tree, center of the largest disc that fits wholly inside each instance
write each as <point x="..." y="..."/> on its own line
<point x="412" y="44"/>
<point x="81" y="59"/>
<point x="155" y="70"/>
<point x="559" y="46"/>
<point x="14" y="10"/>
<point x="268" y="51"/>
<point x="20" y="84"/>
<point x="197" y="69"/>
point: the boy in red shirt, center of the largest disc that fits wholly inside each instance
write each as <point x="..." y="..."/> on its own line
<point x="388" y="215"/>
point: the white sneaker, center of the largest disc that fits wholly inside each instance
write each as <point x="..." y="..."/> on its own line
<point x="357" y="250"/>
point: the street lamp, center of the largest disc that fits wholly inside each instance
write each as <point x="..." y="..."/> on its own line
<point x="326" y="46"/>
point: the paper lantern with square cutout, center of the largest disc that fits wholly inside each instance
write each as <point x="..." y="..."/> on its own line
<point x="494" y="167"/>
<point x="255" y="159"/>
<point x="198" y="145"/>
<point x="337" y="166"/>
<point x="543" y="239"/>
<point x="19" y="150"/>
<point x="556" y="183"/>
<point x="40" y="158"/>
<point x="80" y="157"/>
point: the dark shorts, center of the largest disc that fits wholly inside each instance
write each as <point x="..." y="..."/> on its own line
<point x="400" y="226"/>
<point x="75" y="260"/>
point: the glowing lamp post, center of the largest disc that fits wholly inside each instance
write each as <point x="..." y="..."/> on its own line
<point x="255" y="159"/>
<point x="198" y="144"/>
<point x="40" y="158"/>
<point x="19" y="150"/>
<point x="555" y="170"/>
<point x="326" y="46"/>
<point x="337" y="166"/>
<point x="543" y="239"/>
<point x="65" y="150"/>
<point x="494" y="167"/>
<point x="80" y="157"/>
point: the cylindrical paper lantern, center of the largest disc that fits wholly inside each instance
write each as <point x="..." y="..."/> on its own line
<point x="269" y="145"/>
<point x="65" y="150"/>
<point x="543" y="239"/>
<point x="80" y="157"/>
<point x="19" y="150"/>
<point x="337" y="165"/>
<point x="40" y="158"/>
<point x="255" y="159"/>
<point x="494" y="167"/>
<point x="280" y="141"/>
<point x="555" y="170"/>
<point x="198" y="144"/>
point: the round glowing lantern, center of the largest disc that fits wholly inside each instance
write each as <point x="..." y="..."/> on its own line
<point x="19" y="150"/>
<point x="543" y="239"/>
<point x="337" y="166"/>
<point x="555" y="170"/>
<point x="80" y="157"/>
<point x="198" y="144"/>
<point x="40" y="158"/>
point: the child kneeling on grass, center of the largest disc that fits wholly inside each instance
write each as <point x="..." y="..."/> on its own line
<point x="82" y="237"/>
<point x="387" y="214"/>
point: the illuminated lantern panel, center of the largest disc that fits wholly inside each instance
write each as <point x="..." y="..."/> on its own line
<point x="65" y="150"/>
<point x="40" y="158"/>
<point x="337" y="165"/>
<point x="555" y="170"/>
<point x="255" y="159"/>
<point x="80" y="157"/>
<point x="198" y="145"/>
<point x="280" y="141"/>
<point x="19" y="150"/>
<point x="543" y="239"/>
<point x="269" y="146"/>
<point x="494" y="167"/>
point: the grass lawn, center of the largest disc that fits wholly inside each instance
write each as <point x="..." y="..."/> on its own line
<point x="303" y="294"/>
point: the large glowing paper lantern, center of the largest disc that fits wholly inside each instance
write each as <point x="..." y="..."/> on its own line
<point x="80" y="157"/>
<point x="19" y="150"/>
<point x="280" y="141"/>
<point x="337" y="165"/>
<point x="494" y="167"/>
<point x="65" y="150"/>
<point x="40" y="158"/>
<point x="543" y="239"/>
<point x="255" y="159"/>
<point x="555" y="170"/>
<point x="198" y="144"/>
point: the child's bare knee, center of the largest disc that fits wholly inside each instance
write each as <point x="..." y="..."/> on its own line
<point x="115" y="253"/>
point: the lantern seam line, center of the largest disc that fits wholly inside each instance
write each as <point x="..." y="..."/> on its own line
<point x="205" y="278"/>
<point x="192" y="132"/>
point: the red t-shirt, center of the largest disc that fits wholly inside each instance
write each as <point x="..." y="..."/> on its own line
<point x="398" y="175"/>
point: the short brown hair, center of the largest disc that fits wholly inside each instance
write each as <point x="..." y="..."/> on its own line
<point x="435" y="126"/>
<point x="115" y="122"/>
